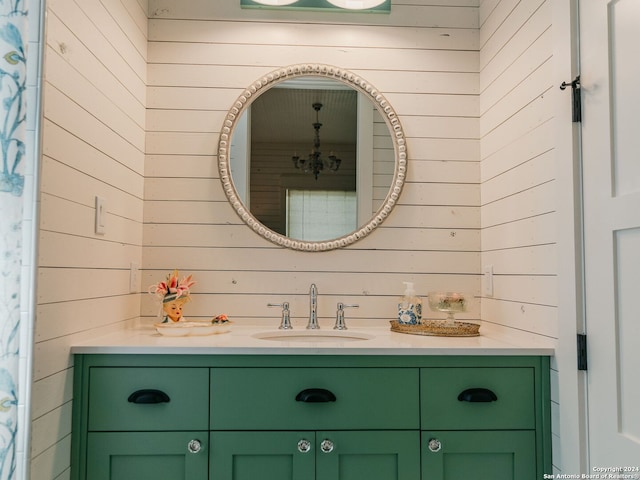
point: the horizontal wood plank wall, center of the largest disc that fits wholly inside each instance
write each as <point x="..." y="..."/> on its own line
<point x="517" y="171"/>
<point x="93" y="144"/>
<point x="423" y="57"/>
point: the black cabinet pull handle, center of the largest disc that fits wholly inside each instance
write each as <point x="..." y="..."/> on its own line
<point x="149" y="396"/>
<point x="477" y="395"/>
<point x="315" y="395"/>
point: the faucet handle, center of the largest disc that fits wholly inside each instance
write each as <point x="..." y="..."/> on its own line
<point x="340" y="323"/>
<point x="285" y="322"/>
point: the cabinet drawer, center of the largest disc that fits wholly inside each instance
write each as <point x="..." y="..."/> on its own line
<point x="265" y="398"/>
<point x="441" y="409"/>
<point x="185" y="407"/>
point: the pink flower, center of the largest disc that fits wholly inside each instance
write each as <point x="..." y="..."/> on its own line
<point x="173" y="286"/>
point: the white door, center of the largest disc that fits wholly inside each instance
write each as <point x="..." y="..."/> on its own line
<point x="610" y="78"/>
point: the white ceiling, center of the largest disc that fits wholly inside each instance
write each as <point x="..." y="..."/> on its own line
<point x="286" y="115"/>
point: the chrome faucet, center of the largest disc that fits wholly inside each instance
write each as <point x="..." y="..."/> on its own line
<point x="340" y="323"/>
<point x="285" y="322"/>
<point x="313" y="308"/>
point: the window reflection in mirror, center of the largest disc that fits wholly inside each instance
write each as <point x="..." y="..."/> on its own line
<point x="314" y="215"/>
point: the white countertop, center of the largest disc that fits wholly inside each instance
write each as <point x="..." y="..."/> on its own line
<point x="240" y="340"/>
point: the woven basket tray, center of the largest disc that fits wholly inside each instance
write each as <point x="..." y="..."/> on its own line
<point x="437" y="328"/>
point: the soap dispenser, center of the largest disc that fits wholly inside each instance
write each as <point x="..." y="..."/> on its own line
<point x="409" y="307"/>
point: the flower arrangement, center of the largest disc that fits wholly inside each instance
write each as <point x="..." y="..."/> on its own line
<point x="174" y="293"/>
<point x="172" y="288"/>
<point x="448" y="302"/>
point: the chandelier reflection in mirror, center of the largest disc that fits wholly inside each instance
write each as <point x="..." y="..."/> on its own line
<point x="314" y="163"/>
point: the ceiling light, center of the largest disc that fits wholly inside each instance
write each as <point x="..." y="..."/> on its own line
<point x="276" y="3"/>
<point x="369" y="6"/>
<point x="356" y="4"/>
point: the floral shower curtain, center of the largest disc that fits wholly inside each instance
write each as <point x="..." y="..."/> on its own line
<point x="13" y="25"/>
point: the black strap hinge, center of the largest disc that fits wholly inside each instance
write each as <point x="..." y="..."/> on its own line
<point x="576" y="101"/>
<point x="582" y="351"/>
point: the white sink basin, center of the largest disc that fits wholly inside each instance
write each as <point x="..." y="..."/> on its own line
<point x="313" y="336"/>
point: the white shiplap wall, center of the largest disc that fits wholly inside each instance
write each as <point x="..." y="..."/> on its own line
<point x="518" y="171"/>
<point x="93" y="135"/>
<point x="468" y="82"/>
<point x="518" y="196"/>
<point x="201" y="56"/>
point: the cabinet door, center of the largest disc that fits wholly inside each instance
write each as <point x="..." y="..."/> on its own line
<point x="371" y="455"/>
<point x="262" y="455"/>
<point x="153" y="455"/>
<point x="498" y="455"/>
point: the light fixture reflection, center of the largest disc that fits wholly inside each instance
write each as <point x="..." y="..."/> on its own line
<point x="314" y="163"/>
<point x="356" y="4"/>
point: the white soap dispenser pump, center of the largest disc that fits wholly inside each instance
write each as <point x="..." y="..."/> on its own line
<point x="410" y="306"/>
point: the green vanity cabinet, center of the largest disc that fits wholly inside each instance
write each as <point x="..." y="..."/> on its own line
<point x="131" y="399"/>
<point x="263" y="455"/>
<point x="341" y="423"/>
<point x="482" y="422"/>
<point x="310" y="417"/>
<point x="142" y="455"/>
<point x="495" y="455"/>
<point x="136" y="422"/>
<point x="271" y="398"/>
<point x="320" y="455"/>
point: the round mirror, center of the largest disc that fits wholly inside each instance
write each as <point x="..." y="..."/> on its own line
<point x="312" y="157"/>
